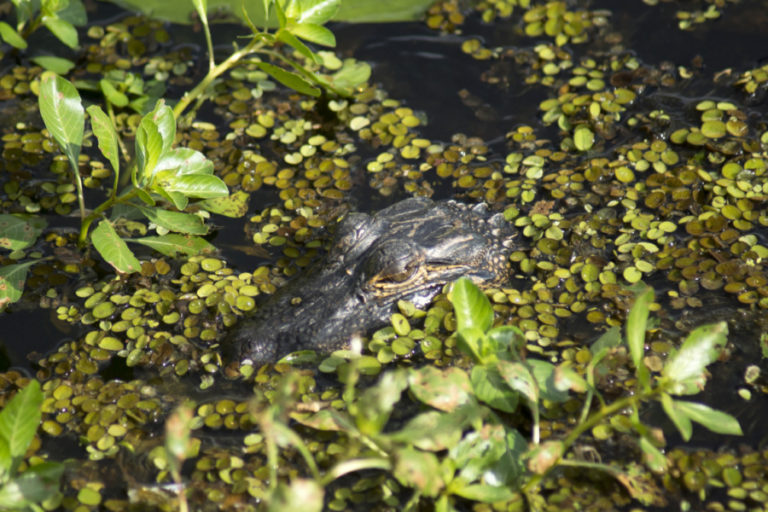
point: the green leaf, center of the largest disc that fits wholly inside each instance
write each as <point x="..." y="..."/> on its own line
<point x="172" y="244"/>
<point x="10" y="36"/>
<point x="470" y="341"/>
<point x="234" y="205"/>
<point x="583" y="138"/>
<point x="114" y="249"/>
<point x="12" y="279"/>
<point x="63" y="114"/>
<point x="149" y="147"/>
<point x="317" y="11"/>
<point x="300" y="494"/>
<point x="20" y="418"/>
<point x="162" y="117"/>
<point x="63" y="30"/>
<point x="681" y="420"/>
<point x="19" y="231"/>
<point x="507" y="338"/>
<point x="470" y="305"/>
<point x="636" y="326"/>
<point x="200" y="186"/>
<point x="686" y="367"/>
<point x="180" y="222"/>
<point x="286" y="37"/>
<point x="485" y="493"/>
<point x="74" y="12"/>
<point x="105" y="133"/>
<point x="113" y="96"/>
<point x="492" y="389"/>
<point x="289" y="79"/>
<point x="714" y="420"/>
<point x="313" y="33"/>
<point x="519" y="377"/>
<point x="445" y="390"/>
<point x="419" y="470"/>
<point x="56" y="64"/>
<point x="25" y="9"/>
<point x="182" y="161"/>
<point x="544" y="372"/>
<point x="432" y="430"/>
<point x="36" y="484"/>
<point x="201" y="6"/>
<point x="654" y="459"/>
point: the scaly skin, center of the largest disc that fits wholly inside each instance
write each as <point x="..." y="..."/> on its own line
<point x="408" y="251"/>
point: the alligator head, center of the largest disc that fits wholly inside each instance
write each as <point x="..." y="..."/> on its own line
<point x="408" y="251"/>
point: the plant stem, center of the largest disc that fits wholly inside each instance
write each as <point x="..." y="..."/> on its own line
<point x="85" y="225"/>
<point x="79" y="185"/>
<point x="253" y="45"/>
<point x="603" y="413"/>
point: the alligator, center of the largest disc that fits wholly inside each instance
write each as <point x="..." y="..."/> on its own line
<point x="407" y="251"/>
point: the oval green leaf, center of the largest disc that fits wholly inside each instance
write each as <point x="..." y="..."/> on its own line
<point x="470" y="305"/>
<point x="114" y="249"/>
<point x="63" y="114"/>
<point x="105" y="133"/>
<point x="290" y="79"/>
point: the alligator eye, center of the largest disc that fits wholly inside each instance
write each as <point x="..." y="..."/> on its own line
<point x="393" y="263"/>
<point x="397" y="275"/>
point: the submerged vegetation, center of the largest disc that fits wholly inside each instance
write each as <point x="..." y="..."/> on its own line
<point x="569" y="387"/>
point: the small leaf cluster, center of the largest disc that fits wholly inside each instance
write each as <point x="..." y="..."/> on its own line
<point x="463" y="445"/>
<point x="163" y="179"/>
<point x="60" y="17"/>
<point x="25" y="486"/>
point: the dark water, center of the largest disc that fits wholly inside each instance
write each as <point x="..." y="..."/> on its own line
<point x="427" y="70"/>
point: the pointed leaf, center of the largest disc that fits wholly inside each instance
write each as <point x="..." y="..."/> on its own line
<point x="286" y="37"/>
<point x="105" y="133"/>
<point x="636" y="327"/>
<point x="172" y="244"/>
<point x="162" y="116"/>
<point x="313" y="33"/>
<point x="114" y="249"/>
<point x="470" y="305"/>
<point x="714" y="420"/>
<point x="12" y="279"/>
<point x="289" y="79"/>
<point x="701" y="348"/>
<point x="20" y="418"/>
<point x="680" y="419"/>
<point x="200" y="186"/>
<point x="149" y="148"/>
<point x="63" y="114"/>
<point x="63" y="30"/>
<point x="180" y="222"/>
<point x="113" y="96"/>
<point x="654" y="459"/>
<point x="55" y="64"/>
<point x="10" y="36"/>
